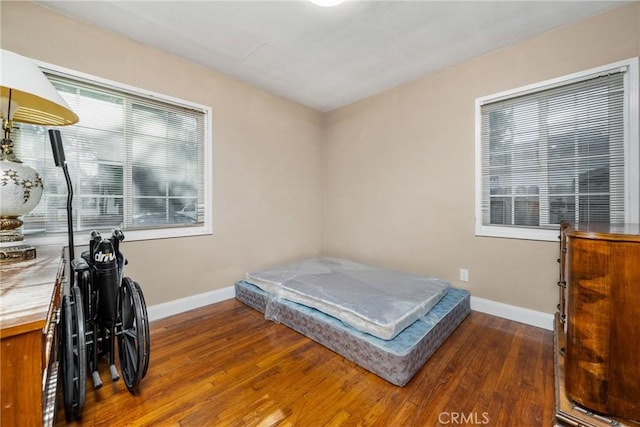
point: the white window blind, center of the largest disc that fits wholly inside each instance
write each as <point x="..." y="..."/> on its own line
<point x="136" y="162"/>
<point x="556" y="154"/>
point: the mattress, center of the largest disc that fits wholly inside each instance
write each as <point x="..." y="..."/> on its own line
<point x="396" y="360"/>
<point x="378" y="301"/>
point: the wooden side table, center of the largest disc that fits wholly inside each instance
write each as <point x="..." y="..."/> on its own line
<point x="30" y="297"/>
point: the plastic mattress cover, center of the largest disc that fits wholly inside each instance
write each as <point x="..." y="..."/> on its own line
<point x="378" y="301"/>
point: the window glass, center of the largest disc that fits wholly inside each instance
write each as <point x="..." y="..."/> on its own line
<point x="136" y="162"/>
<point x="557" y="153"/>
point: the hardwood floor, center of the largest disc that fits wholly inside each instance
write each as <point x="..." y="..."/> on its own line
<point x="226" y="365"/>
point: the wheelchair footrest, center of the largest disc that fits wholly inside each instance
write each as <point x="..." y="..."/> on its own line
<point x="114" y="373"/>
<point x="97" y="382"/>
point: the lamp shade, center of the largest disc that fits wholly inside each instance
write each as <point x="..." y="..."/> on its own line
<point x="32" y="97"/>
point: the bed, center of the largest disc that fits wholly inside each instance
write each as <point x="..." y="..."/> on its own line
<point x="391" y="337"/>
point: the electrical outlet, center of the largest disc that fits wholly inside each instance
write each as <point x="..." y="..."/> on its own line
<point x="464" y="275"/>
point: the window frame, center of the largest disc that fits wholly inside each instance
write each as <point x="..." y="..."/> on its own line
<point x="152" y="233"/>
<point x="631" y="148"/>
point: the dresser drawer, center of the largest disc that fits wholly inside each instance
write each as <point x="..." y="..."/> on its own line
<point x="50" y="353"/>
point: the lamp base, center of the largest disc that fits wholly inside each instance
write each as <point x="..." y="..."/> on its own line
<point x="11" y="238"/>
<point x="16" y="253"/>
<point x="13" y="247"/>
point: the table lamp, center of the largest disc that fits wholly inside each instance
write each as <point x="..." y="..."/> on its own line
<point x="27" y="96"/>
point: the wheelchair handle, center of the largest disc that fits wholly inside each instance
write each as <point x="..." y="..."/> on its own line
<point x="95" y="240"/>
<point x="118" y="235"/>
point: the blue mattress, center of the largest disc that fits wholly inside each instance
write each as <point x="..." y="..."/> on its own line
<point x="396" y="360"/>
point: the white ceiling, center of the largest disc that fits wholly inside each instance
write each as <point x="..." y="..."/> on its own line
<point x="329" y="57"/>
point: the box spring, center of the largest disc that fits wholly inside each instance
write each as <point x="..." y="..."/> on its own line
<point x="395" y="360"/>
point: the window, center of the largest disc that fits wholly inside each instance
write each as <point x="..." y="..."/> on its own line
<point x="561" y="150"/>
<point x="137" y="160"/>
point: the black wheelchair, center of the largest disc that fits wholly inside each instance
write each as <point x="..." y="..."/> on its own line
<point x="101" y="307"/>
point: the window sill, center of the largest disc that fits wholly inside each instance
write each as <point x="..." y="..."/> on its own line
<point x="543" y="235"/>
<point x="81" y="238"/>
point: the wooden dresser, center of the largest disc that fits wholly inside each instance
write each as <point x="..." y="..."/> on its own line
<point x="30" y="295"/>
<point x="598" y="322"/>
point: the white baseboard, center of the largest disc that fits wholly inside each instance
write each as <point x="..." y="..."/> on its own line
<point x="512" y="312"/>
<point x="166" y="309"/>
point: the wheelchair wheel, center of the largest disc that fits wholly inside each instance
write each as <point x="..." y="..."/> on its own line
<point x="133" y="338"/>
<point x="145" y="319"/>
<point x="73" y="354"/>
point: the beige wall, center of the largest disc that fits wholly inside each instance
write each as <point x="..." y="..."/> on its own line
<point x="393" y="183"/>
<point x="267" y="155"/>
<point x="399" y="167"/>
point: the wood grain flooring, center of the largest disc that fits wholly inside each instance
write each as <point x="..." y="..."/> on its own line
<point x="225" y="365"/>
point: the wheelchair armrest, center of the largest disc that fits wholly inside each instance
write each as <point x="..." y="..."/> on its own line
<point x="79" y="264"/>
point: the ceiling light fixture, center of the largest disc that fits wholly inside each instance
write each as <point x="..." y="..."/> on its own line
<point x="327" y="3"/>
